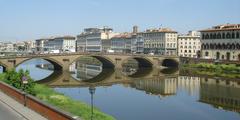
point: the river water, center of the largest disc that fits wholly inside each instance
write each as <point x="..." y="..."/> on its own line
<point x="149" y="94"/>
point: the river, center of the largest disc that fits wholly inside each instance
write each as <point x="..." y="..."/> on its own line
<point x="149" y="94"/>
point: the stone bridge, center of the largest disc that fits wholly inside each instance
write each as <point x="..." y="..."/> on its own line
<point x="63" y="61"/>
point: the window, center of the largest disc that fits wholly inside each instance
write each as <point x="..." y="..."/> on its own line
<point x="233" y="35"/>
<point x="219" y="36"/>
<point x="211" y="36"/>
<point x="203" y="36"/>
<point x="206" y="53"/>
<point x="207" y="36"/>
<point x="228" y="36"/>
<point x="189" y="51"/>
<point x="223" y="35"/>
<point x="237" y="35"/>
<point x="214" y="36"/>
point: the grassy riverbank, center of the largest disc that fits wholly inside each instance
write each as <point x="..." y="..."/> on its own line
<point x="63" y="102"/>
<point x="66" y="103"/>
<point x="217" y="70"/>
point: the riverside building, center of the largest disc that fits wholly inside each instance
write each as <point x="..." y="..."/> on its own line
<point x="162" y="41"/>
<point x="40" y="45"/>
<point x="94" y="39"/>
<point x="127" y="43"/>
<point x="221" y="42"/>
<point x="62" y="44"/>
<point x="189" y="45"/>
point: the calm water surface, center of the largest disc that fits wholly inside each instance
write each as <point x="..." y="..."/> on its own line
<point x="143" y="95"/>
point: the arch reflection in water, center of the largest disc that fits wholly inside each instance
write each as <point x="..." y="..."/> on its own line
<point x="107" y="77"/>
<point x="89" y="71"/>
<point x="134" y="68"/>
<point x="38" y="68"/>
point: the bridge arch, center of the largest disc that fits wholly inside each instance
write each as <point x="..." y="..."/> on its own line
<point x="142" y="62"/>
<point x="4" y="67"/>
<point x="171" y="63"/>
<point x="106" y="62"/>
<point x="57" y="65"/>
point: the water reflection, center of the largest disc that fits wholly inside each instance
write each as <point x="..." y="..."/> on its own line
<point x="37" y="68"/>
<point x="161" y="86"/>
<point x="221" y="94"/>
<point x="180" y="92"/>
<point x="1" y="69"/>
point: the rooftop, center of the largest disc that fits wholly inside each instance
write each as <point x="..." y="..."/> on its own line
<point x="222" y="28"/>
<point x="66" y="37"/>
<point x="164" y="30"/>
<point x="123" y="35"/>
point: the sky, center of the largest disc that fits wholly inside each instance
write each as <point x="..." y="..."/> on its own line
<point x="32" y="19"/>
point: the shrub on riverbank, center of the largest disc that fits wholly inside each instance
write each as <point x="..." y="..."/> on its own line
<point x="220" y="68"/>
<point x="14" y="79"/>
<point x="50" y="96"/>
<point x="216" y="70"/>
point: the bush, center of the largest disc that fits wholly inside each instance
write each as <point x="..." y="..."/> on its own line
<point x="14" y="79"/>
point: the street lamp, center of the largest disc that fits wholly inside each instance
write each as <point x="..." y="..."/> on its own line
<point x="24" y="82"/>
<point x="92" y="91"/>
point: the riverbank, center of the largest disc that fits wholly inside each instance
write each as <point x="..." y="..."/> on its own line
<point x="65" y="103"/>
<point x="216" y="70"/>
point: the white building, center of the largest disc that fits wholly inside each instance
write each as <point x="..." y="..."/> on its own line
<point x="40" y="45"/>
<point x="221" y="42"/>
<point x="93" y="39"/>
<point x="161" y="41"/>
<point x="7" y="47"/>
<point x="61" y="44"/>
<point x="189" y="45"/>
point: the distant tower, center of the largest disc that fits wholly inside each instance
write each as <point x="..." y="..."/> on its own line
<point x="135" y="29"/>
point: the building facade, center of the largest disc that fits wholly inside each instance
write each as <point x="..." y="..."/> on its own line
<point x="127" y="43"/>
<point x="221" y="42"/>
<point x="94" y="40"/>
<point x="7" y="47"/>
<point x="189" y="45"/>
<point x="162" y="41"/>
<point x="40" y="45"/>
<point x="61" y="44"/>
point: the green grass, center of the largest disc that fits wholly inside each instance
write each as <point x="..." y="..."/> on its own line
<point x="66" y="103"/>
<point x="2" y="76"/>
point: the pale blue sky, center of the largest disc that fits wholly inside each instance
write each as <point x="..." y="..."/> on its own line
<point x="32" y="19"/>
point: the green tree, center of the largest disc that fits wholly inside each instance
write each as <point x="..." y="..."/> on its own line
<point x="15" y="79"/>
